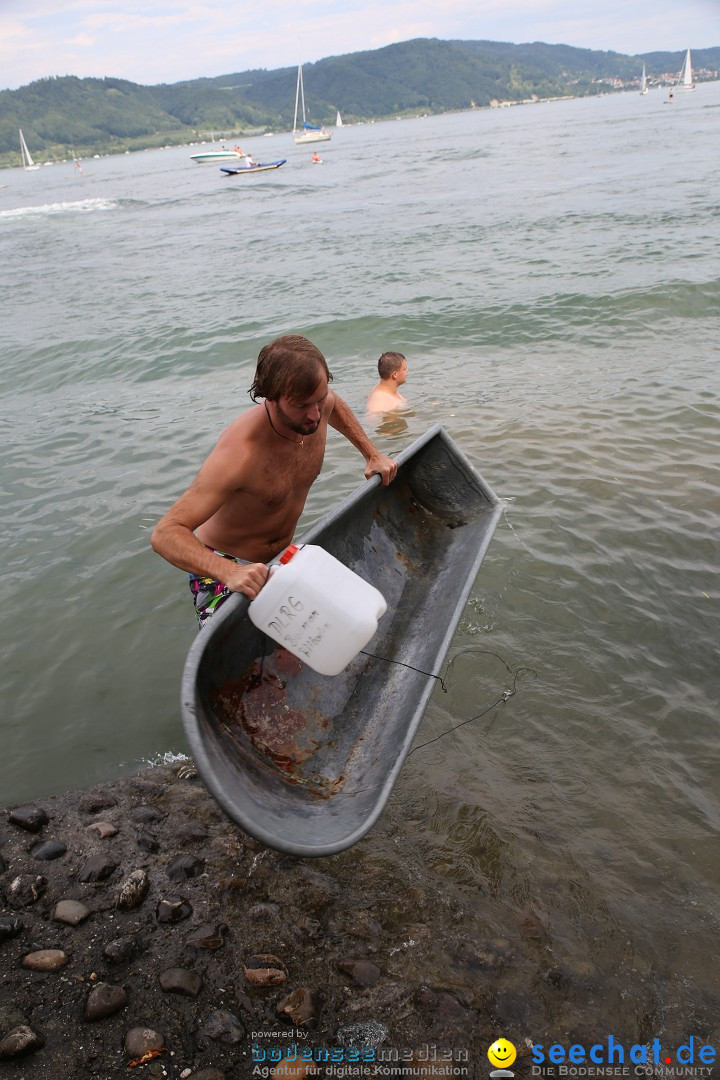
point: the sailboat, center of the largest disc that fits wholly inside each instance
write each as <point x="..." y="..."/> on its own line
<point x="685" y="82"/>
<point x="28" y="163"/>
<point x="308" y="133"/>
<point x="643" y="82"/>
<point x="338" y="120"/>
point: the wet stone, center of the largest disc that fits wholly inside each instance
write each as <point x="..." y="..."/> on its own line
<point x="145" y="814"/>
<point x="207" y="1074"/>
<point x="139" y="1040"/>
<point x="223" y="1026"/>
<point x="21" y="1040"/>
<point x="71" y="912"/>
<point x="10" y="927"/>
<point x="364" y="1033"/>
<point x="180" y="981"/>
<point x="31" y="818"/>
<point x="3" y="865"/>
<point x="264" y="970"/>
<point x="173" y="909"/>
<point x="302" y="1007"/>
<point x="25" y="890"/>
<point x="441" y="1003"/>
<point x="184" y="867"/>
<point x="45" y="960"/>
<point x="146" y="841"/>
<point x="49" y="849"/>
<point x="104" y="1000"/>
<point x="191" y="830"/>
<point x="362" y="972"/>
<point x="98" y="868"/>
<point x="208" y="937"/>
<point x="92" y="803"/>
<point x="134" y="890"/>
<point x="123" y="949"/>
<point x="104" y="829"/>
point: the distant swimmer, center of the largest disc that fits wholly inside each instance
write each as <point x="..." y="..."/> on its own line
<point x="392" y="369"/>
<point x="317" y="160"/>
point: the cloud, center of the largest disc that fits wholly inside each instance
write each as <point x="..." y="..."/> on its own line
<point x="151" y="42"/>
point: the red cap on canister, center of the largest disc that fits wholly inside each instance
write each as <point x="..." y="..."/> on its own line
<point x="288" y="553"/>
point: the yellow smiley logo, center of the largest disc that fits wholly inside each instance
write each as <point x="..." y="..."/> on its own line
<point x="502" y="1053"/>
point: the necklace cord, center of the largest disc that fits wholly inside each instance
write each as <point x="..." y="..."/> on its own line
<point x="285" y="437"/>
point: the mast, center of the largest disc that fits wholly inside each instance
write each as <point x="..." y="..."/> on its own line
<point x="297" y="94"/>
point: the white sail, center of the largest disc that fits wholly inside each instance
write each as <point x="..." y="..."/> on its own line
<point x="686" y="76"/>
<point x="338" y="120"/>
<point x="643" y="83"/>
<point x="28" y="163"/>
<point x="308" y="133"/>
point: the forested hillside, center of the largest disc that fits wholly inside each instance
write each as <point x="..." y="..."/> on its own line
<point x="68" y="116"/>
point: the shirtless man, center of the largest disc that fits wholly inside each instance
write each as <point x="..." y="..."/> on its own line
<point x="243" y="506"/>
<point x="392" y="369"/>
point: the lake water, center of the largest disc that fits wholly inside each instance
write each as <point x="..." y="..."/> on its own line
<point x="552" y="273"/>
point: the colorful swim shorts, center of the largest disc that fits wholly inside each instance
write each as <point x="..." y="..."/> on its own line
<point x="209" y="594"/>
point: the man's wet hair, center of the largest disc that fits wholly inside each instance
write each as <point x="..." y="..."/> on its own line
<point x="390" y="362"/>
<point x="290" y="366"/>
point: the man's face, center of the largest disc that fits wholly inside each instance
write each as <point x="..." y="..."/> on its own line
<point x="303" y="416"/>
<point x="402" y="373"/>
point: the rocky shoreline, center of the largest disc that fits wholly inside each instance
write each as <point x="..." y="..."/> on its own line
<point x="142" y="933"/>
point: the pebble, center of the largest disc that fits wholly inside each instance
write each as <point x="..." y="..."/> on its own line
<point x="133" y="891"/>
<point x="71" y="912"/>
<point x="31" y="818"/>
<point x="208" y="937"/>
<point x="303" y="1006"/>
<point x="104" y="829"/>
<point x="21" y="1040"/>
<point x="10" y="927"/>
<point x="206" y="1074"/>
<point x="363" y="1033"/>
<point x="97" y="868"/>
<point x="49" y="849"/>
<point x="45" y="960"/>
<point x="90" y="804"/>
<point x="184" y="867"/>
<point x="292" y="1069"/>
<point x="180" y="981"/>
<point x="264" y="970"/>
<point x="123" y="949"/>
<point x="25" y="890"/>
<point x="173" y="909"/>
<point x="146" y="841"/>
<point x="104" y="1000"/>
<point x="139" y="1040"/>
<point x="223" y="1026"/>
<point x="145" y="814"/>
<point x="191" y="830"/>
<point x="362" y="972"/>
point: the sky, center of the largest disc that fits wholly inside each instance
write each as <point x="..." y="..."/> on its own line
<point x="151" y="41"/>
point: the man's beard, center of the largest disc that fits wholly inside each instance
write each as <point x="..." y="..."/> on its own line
<point x="300" y="429"/>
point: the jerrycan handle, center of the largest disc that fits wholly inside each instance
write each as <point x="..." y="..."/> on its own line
<point x="290" y="550"/>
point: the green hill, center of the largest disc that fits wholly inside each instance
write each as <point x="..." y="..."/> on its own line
<point x="66" y="116"/>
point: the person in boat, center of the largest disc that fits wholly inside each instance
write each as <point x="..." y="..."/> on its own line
<point x="386" y="396"/>
<point x="249" y="161"/>
<point x="242" y="508"/>
<point x="237" y="150"/>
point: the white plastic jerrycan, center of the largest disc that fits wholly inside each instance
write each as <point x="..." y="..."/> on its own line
<point x="318" y="608"/>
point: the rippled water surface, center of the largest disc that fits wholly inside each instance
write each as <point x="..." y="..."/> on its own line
<point x="552" y="273"/>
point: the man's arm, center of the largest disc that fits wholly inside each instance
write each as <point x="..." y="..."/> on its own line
<point x="343" y="419"/>
<point x="174" y="535"/>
